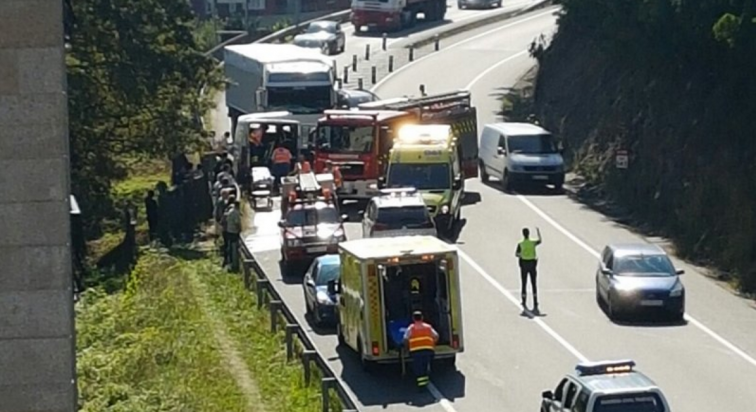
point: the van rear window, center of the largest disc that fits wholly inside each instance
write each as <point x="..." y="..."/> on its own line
<point x="409" y="216"/>
<point x="631" y="402"/>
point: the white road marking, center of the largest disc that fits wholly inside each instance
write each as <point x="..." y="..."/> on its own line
<point x="494" y="67"/>
<point x="729" y="345"/>
<point x="510" y="297"/>
<point x="459" y="43"/>
<point x="440" y="398"/>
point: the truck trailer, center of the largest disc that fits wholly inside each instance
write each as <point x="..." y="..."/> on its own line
<point x="393" y="15"/>
<point x="278" y="77"/>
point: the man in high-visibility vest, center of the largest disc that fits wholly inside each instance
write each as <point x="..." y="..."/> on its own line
<point x="526" y="253"/>
<point x="421" y="339"/>
<point x="281" y="163"/>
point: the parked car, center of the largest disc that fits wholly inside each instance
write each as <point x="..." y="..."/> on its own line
<point x="636" y="277"/>
<point x="397" y="212"/>
<point x="319" y="302"/>
<point x="478" y="4"/>
<point x="520" y="153"/>
<point x="325" y="35"/>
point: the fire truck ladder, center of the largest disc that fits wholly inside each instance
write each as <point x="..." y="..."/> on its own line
<point x="460" y="99"/>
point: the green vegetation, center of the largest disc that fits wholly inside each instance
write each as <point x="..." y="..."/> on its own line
<point x="176" y="338"/>
<point x="672" y="82"/>
<point x="134" y="72"/>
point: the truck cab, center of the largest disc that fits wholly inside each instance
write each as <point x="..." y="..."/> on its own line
<point x="382" y="281"/>
<point x="427" y="157"/>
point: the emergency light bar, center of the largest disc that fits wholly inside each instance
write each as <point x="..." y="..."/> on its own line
<point x="351" y="114"/>
<point x="398" y="191"/>
<point x="604" y="367"/>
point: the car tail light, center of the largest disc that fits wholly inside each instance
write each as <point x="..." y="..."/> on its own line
<point x="376" y="349"/>
<point x="380" y="226"/>
<point x="455" y="341"/>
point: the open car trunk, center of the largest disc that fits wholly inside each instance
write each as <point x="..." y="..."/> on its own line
<point x="410" y="287"/>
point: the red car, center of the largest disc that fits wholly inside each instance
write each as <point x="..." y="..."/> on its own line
<point x="310" y="229"/>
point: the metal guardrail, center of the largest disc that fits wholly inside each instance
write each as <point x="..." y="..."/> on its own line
<point x="256" y="279"/>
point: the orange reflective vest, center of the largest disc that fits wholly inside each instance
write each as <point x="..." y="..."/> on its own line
<point x="337" y="176"/>
<point x="281" y="155"/>
<point x="421" y="337"/>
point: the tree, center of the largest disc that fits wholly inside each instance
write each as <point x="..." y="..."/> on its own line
<point x="134" y="73"/>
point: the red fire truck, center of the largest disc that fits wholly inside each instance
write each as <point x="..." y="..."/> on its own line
<point x="391" y="15"/>
<point x="358" y="142"/>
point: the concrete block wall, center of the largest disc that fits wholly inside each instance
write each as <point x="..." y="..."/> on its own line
<point x="37" y="344"/>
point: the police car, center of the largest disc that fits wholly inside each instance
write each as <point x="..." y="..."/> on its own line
<point x="608" y="386"/>
<point x="397" y="212"/>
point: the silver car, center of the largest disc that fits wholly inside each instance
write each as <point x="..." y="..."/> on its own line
<point x="636" y="277"/>
<point x="324" y="35"/>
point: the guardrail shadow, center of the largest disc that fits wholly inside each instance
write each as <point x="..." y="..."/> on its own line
<point x="299" y="347"/>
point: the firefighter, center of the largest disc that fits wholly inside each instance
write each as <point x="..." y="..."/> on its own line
<point x="281" y="164"/>
<point x="421" y="339"/>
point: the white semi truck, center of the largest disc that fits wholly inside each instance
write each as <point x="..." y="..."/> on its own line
<point x="278" y="77"/>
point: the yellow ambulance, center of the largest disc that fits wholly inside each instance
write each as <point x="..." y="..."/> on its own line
<point x="428" y="158"/>
<point x="383" y="280"/>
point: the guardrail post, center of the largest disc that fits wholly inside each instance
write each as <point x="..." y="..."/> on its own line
<point x="367" y="52"/>
<point x="346" y="74"/>
<point x="275" y="306"/>
<point x="291" y="330"/>
<point x="373" y="75"/>
<point x="261" y="284"/>
<point x="246" y="269"/>
<point x="437" y="38"/>
<point x="354" y="62"/>
<point x="359" y="83"/>
<point x="391" y="64"/>
<point x="307" y="357"/>
<point x="325" y="388"/>
<point x="411" y="53"/>
<point x="383" y="42"/>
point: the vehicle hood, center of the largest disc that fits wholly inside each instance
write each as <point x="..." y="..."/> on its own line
<point x="319" y="36"/>
<point x="550" y="159"/>
<point x="650" y="282"/>
<point x="324" y="289"/>
<point x="323" y="230"/>
<point x="437" y="198"/>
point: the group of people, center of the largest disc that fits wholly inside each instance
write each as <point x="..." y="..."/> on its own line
<point x="227" y="210"/>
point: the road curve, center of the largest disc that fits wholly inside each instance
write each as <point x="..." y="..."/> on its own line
<point x="356" y="44"/>
<point x="707" y="364"/>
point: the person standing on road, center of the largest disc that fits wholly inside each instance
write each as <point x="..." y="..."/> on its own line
<point x="526" y="253"/>
<point x="421" y="339"/>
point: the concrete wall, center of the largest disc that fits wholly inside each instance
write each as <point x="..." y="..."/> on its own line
<point x="37" y="345"/>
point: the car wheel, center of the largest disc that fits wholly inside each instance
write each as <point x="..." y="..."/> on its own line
<point x="484" y="177"/>
<point x="308" y="308"/>
<point x="506" y="184"/>
<point x="339" y="334"/>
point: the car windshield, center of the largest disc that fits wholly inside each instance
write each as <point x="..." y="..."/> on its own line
<point x="397" y="217"/>
<point x="345" y="139"/>
<point x="643" y="265"/>
<point x="318" y="27"/>
<point x="646" y="402"/>
<point x="327" y="273"/>
<point x="312" y="216"/>
<point x="538" y="144"/>
<point x="422" y="176"/>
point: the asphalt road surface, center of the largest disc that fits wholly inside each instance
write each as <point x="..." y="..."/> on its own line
<point x="511" y="355"/>
<point x="356" y="44"/>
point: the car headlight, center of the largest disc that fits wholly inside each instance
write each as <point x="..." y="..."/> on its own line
<point x="445" y="209"/>
<point x="516" y="168"/>
<point x="624" y="288"/>
<point x="323" y="298"/>
<point x="677" y="290"/>
<point x="293" y="242"/>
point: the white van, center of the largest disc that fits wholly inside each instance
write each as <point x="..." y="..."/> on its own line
<point x="520" y="153"/>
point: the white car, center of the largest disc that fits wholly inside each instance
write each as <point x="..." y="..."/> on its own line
<point x="520" y="153"/>
<point x="324" y="35"/>
<point x="397" y="212"/>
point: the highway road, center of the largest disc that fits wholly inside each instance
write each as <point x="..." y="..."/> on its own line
<point x="356" y="44"/>
<point x="511" y="355"/>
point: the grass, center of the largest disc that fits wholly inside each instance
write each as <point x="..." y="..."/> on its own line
<point x="150" y="347"/>
<point x="175" y="340"/>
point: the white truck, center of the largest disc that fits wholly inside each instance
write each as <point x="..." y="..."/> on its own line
<point x="278" y="77"/>
<point x="392" y="15"/>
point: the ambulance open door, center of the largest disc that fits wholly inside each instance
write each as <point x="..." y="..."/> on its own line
<point x="443" y="300"/>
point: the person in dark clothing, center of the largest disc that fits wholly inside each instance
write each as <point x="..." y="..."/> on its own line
<point x="528" y="259"/>
<point x="151" y="207"/>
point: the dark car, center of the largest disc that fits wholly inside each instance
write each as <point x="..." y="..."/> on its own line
<point x="325" y="35"/>
<point x="639" y="277"/>
<point x="478" y="4"/>
<point x="351" y="98"/>
<point x="320" y="304"/>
